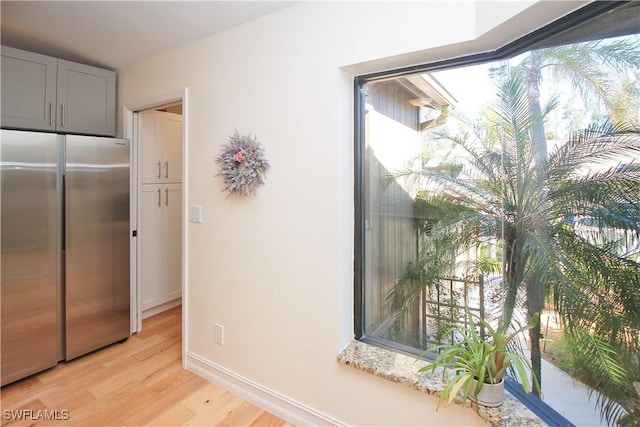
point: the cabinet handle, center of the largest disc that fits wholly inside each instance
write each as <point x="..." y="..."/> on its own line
<point x="166" y="172"/>
<point x="159" y="172"/>
<point x="166" y="197"/>
<point x="159" y="198"/>
<point x="62" y="115"/>
<point x="50" y="114"/>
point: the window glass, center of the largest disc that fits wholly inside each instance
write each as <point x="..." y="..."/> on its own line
<point x="508" y="187"/>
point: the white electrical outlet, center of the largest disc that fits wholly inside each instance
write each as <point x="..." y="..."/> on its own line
<point x="219" y="333"/>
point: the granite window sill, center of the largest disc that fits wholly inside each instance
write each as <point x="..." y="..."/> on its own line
<point x="403" y="369"/>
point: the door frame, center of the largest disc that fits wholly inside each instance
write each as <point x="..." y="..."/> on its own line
<point x="130" y="132"/>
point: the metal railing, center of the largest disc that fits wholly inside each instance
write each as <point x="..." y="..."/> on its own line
<point x="444" y="307"/>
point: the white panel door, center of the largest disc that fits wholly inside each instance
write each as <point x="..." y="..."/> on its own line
<point x="172" y="147"/>
<point x="150" y="246"/>
<point x="149" y="140"/>
<point x="160" y="137"/>
<point x="172" y="240"/>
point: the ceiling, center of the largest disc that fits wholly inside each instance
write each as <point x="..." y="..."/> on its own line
<point x="114" y="34"/>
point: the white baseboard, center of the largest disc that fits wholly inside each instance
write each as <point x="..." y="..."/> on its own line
<point x="275" y="403"/>
<point x="160" y="308"/>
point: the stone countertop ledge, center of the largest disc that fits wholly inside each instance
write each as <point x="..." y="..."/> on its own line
<point x="403" y="369"/>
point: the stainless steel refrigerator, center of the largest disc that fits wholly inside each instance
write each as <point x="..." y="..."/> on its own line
<point x="65" y="248"/>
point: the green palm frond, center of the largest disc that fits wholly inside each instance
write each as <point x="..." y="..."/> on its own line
<point x="602" y="362"/>
<point x="588" y="66"/>
<point x="597" y="145"/>
<point x="564" y="221"/>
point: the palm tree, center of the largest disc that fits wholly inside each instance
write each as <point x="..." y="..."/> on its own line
<point x="591" y="68"/>
<point x="506" y="191"/>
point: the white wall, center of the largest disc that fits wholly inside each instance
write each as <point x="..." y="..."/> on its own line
<point x="277" y="269"/>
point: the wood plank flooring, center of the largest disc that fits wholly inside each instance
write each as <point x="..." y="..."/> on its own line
<point x="139" y="382"/>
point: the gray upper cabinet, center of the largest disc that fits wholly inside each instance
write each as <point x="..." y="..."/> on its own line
<point x="86" y="99"/>
<point x="44" y="93"/>
<point x="28" y="90"/>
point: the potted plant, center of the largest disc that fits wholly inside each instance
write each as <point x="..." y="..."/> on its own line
<point x="476" y="364"/>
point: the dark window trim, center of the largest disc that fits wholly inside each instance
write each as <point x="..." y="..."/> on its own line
<point x="358" y="234"/>
<point x="536" y="405"/>
<point x="537" y="39"/>
<point x="534" y="39"/>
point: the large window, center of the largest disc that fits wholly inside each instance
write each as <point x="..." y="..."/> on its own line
<point x="508" y="184"/>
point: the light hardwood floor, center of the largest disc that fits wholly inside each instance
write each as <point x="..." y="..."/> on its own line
<point x="139" y="382"/>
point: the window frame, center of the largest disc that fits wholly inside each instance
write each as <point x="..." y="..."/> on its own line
<point x="543" y="37"/>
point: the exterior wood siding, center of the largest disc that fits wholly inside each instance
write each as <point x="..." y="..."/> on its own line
<point x="393" y="140"/>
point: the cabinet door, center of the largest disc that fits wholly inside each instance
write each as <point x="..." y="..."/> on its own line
<point x="86" y="99"/>
<point x="150" y="246"/>
<point x="172" y="147"/>
<point x="150" y="143"/>
<point x="28" y="90"/>
<point x="172" y="240"/>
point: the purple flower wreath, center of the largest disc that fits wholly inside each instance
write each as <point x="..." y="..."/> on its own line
<point x="242" y="164"/>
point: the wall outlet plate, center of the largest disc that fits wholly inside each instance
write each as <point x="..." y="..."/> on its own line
<point x="219" y="333"/>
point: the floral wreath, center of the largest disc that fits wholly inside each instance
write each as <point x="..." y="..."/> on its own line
<point x="242" y="164"/>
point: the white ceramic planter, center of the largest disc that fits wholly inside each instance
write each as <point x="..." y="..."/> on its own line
<point x="491" y="395"/>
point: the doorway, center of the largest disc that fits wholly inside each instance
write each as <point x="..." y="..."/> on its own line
<point x="158" y="206"/>
<point x="159" y="209"/>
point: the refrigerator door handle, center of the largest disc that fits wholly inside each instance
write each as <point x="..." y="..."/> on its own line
<point x="63" y="234"/>
<point x="159" y="171"/>
<point x="166" y="197"/>
<point x="159" y="200"/>
<point x="166" y="171"/>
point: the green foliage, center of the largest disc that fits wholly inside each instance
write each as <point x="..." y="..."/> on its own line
<point x="593" y="70"/>
<point x="507" y="192"/>
<point x="608" y="368"/>
<point x="478" y="358"/>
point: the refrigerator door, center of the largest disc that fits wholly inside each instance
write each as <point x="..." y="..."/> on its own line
<point x="29" y="253"/>
<point x="96" y="243"/>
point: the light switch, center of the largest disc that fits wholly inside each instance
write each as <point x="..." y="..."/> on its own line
<point x="195" y="214"/>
